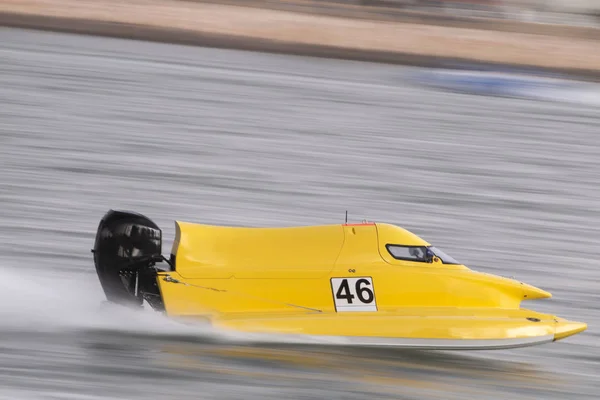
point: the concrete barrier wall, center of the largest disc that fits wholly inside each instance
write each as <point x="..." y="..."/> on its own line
<point x="571" y="6"/>
<point x="339" y="35"/>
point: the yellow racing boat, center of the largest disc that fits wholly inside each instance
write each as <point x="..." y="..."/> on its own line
<point x="368" y="284"/>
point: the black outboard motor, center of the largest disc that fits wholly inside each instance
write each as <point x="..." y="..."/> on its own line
<point x="127" y="247"/>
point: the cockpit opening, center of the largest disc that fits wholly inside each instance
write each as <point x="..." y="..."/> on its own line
<point x="423" y="254"/>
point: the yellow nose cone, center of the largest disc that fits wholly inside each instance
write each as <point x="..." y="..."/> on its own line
<point x="533" y="293"/>
<point x="565" y="329"/>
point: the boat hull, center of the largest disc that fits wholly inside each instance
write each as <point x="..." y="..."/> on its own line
<point x="430" y="328"/>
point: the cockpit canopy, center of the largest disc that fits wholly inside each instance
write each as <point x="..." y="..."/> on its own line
<point x="423" y="254"/>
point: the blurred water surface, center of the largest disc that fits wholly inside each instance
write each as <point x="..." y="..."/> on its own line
<point x="504" y="185"/>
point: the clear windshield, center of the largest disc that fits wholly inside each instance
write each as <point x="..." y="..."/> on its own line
<point x="446" y="259"/>
<point x="419" y="253"/>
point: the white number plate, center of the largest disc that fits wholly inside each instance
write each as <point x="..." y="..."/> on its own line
<point x="353" y="294"/>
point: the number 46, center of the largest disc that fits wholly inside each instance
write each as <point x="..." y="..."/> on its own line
<point x="361" y="288"/>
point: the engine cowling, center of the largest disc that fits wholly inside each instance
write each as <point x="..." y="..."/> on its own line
<point x="127" y="246"/>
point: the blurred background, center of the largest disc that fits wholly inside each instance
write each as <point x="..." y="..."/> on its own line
<point x="494" y="158"/>
<point x="578" y="12"/>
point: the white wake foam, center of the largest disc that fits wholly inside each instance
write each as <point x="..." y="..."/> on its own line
<point x="59" y="302"/>
<point x="62" y="301"/>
